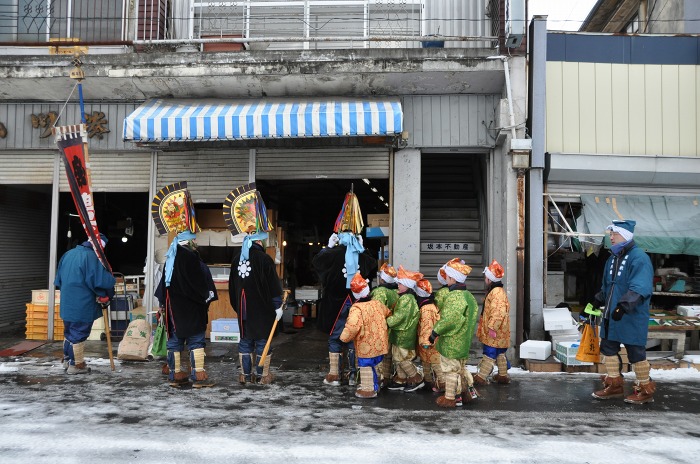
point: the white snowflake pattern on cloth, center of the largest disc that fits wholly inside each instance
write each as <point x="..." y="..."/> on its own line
<point x="244" y="269"/>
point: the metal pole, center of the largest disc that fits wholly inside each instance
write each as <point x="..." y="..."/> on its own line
<point x="53" y="239"/>
<point x="535" y="222"/>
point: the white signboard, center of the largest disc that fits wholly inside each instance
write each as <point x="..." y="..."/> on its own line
<point x="442" y="247"/>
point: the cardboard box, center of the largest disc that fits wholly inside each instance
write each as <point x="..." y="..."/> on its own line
<point x="535" y="349"/>
<point x="41" y="297"/>
<point x="224" y="325"/>
<point x="378" y="220"/>
<point x="558" y="319"/>
<point x="210" y="218"/>
<point x="224" y="337"/>
<point x="550" y="364"/>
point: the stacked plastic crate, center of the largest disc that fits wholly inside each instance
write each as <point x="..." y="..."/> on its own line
<point x="38" y="316"/>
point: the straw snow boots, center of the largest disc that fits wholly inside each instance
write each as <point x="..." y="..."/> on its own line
<point x="79" y="365"/>
<point x="200" y="378"/>
<point x="612" y="388"/>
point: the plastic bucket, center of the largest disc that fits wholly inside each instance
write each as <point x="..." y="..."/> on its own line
<point x="298" y="321"/>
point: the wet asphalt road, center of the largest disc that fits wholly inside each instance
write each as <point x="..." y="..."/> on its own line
<point x="135" y="399"/>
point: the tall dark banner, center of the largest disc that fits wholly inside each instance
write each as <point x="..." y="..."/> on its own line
<point x="72" y="143"/>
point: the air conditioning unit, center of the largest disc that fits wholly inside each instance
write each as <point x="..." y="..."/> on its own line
<point x="515" y="23"/>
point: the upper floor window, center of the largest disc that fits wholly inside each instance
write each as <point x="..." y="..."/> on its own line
<point x="632" y="26"/>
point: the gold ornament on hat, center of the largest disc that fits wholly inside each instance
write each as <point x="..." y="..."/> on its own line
<point x="173" y="211"/>
<point x="350" y="217"/>
<point x="245" y="211"/>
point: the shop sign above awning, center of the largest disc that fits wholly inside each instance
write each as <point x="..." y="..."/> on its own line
<point x="665" y="224"/>
<point x="160" y="120"/>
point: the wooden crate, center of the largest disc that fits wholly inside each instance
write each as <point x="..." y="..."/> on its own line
<point x="548" y="365"/>
<point x="586" y="368"/>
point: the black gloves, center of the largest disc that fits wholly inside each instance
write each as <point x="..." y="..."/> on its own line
<point x="618" y="313"/>
<point x="598" y="300"/>
<point x="432" y="337"/>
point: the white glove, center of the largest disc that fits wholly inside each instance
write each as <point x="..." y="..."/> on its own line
<point x="278" y="313"/>
<point x="359" y="239"/>
<point x="333" y="240"/>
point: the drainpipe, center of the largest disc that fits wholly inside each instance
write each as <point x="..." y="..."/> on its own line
<point x="520" y="188"/>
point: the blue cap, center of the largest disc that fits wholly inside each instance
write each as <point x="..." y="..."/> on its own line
<point x="627" y="224"/>
<point x="103" y="237"/>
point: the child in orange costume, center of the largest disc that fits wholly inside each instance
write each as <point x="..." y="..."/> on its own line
<point x="429" y="356"/>
<point x="494" y="327"/>
<point x="366" y="326"/>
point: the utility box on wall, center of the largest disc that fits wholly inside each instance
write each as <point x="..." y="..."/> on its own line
<point x="515" y="23"/>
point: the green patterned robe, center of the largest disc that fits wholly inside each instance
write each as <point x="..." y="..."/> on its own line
<point x="458" y="317"/>
<point x="403" y="323"/>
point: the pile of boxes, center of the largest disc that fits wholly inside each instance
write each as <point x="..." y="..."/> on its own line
<point x="224" y="331"/>
<point x="38" y="316"/>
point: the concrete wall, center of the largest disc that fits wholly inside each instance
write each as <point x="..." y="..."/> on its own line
<point x="405" y="230"/>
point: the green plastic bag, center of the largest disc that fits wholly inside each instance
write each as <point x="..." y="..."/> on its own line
<point x="160" y="340"/>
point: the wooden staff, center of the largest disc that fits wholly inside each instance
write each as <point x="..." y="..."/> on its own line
<point x="109" y="337"/>
<point x="272" y="332"/>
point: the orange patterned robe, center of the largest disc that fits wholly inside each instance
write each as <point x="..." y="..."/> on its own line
<point x="429" y="315"/>
<point x="366" y="324"/>
<point x="496" y="317"/>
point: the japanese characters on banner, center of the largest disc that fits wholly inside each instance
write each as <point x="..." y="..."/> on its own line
<point x="71" y="141"/>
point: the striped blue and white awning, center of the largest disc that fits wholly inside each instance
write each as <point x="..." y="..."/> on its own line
<point x="201" y="120"/>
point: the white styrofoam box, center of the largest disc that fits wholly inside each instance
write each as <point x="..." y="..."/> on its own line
<point x="558" y="319"/>
<point x="535" y="349"/>
<point x="564" y="338"/>
<point x="566" y="353"/>
<point x="693" y="311"/>
<point x="306" y="293"/>
<point x="224" y="325"/>
<point x="224" y="337"/>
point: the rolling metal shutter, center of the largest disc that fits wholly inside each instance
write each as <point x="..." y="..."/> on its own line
<point x="26" y="168"/>
<point x="25" y="227"/>
<point x="329" y="163"/>
<point x="210" y="176"/>
<point x="115" y="172"/>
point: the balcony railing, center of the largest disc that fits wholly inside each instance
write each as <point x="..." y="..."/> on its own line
<point x="255" y="24"/>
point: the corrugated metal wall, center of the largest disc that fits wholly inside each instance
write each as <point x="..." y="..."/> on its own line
<point x="631" y="109"/>
<point x="116" y="172"/>
<point x="210" y="176"/>
<point x="24" y="228"/>
<point x="450" y="120"/>
<point x="17" y="118"/>
<point x="331" y="163"/>
<point x="458" y="18"/>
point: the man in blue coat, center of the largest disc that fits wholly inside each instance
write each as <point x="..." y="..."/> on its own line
<point x="83" y="280"/>
<point x="627" y="286"/>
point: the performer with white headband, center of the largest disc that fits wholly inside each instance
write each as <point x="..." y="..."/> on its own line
<point x="625" y="295"/>
<point x="336" y="265"/>
<point x="387" y="294"/>
<point x="366" y="327"/>
<point x="494" y="327"/>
